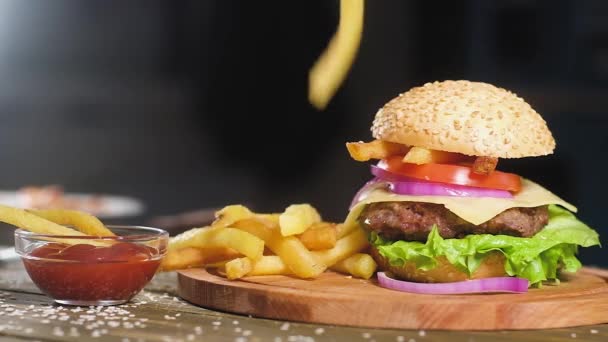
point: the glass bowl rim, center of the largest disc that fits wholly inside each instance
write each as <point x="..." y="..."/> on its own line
<point x="148" y="233"/>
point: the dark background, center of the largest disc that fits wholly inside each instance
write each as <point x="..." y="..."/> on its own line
<point x="197" y="104"/>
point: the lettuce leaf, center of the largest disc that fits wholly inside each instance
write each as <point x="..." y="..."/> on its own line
<point x="536" y="258"/>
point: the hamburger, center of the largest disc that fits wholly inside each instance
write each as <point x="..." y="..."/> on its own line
<point x="437" y="208"/>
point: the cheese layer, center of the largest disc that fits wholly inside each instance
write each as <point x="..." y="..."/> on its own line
<point x="475" y="210"/>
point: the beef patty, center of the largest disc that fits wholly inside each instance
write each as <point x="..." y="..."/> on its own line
<point x="413" y="221"/>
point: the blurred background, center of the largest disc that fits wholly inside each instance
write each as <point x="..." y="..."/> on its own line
<point x="188" y="105"/>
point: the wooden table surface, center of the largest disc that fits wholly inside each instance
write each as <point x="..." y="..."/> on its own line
<point x="157" y="314"/>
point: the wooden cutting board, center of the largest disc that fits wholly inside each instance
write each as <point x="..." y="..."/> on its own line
<point x="333" y="298"/>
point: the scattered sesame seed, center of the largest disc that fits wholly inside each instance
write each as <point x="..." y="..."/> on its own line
<point x="319" y="331"/>
<point x="422" y="333"/>
<point x="573" y="335"/>
<point x="366" y="335"/>
<point x="593" y="331"/>
<point x="284" y="327"/>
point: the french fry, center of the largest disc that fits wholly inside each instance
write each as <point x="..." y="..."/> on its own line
<point x="82" y="221"/>
<point x="359" y="265"/>
<point x="343" y="229"/>
<point x="269" y="217"/>
<point x="376" y="149"/>
<point x="177" y="259"/>
<point x="28" y="221"/>
<point x="269" y="265"/>
<point x="419" y="155"/>
<point x="322" y="235"/>
<point x="237" y="268"/>
<point x="183" y="258"/>
<point x="352" y="243"/>
<point x="331" y="68"/>
<point x="247" y="244"/>
<point x="297" y="218"/>
<point x="297" y="258"/>
<point x="484" y="165"/>
<point x="219" y="264"/>
<point x="230" y="214"/>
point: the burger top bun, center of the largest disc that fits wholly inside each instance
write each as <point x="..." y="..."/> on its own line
<point x="471" y="118"/>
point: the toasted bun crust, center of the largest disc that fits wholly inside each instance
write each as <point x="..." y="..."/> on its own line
<point x="492" y="266"/>
<point x="471" y="118"/>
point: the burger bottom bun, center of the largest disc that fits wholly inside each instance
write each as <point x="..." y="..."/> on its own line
<point x="492" y="266"/>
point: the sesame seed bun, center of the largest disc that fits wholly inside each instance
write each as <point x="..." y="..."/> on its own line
<point x="492" y="266"/>
<point x="471" y="118"/>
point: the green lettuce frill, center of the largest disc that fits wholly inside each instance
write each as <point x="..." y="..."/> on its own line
<point x="535" y="258"/>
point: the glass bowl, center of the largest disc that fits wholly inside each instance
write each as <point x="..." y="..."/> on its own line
<point x="88" y="270"/>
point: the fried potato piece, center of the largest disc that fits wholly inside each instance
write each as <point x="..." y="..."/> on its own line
<point x="297" y="218"/>
<point x="352" y="243"/>
<point x="238" y="267"/>
<point x="84" y="222"/>
<point x="322" y="235"/>
<point x="484" y="165"/>
<point x="343" y="230"/>
<point x="269" y="217"/>
<point x="269" y="265"/>
<point x="28" y="221"/>
<point x="177" y="259"/>
<point x="230" y="214"/>
<point x="331" y="68"/>
<point x="344" y="257"/>
<point x="207" y="237"/>
<point x="376" y="149"/>
<point x="297" y="258"/>
<point x="358" y="265"/>
<point x="419" y="155"/>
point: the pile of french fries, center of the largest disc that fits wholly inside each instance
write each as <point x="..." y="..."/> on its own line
<point x="380" y="149"/>
<point x="296" y="242"/>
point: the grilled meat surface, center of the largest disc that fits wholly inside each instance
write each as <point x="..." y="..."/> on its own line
<point x="413" y="221"/>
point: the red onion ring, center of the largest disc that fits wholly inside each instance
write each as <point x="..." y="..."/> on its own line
<point x="497" y="284"/>
<point x="409" y="186"/>
<point x="372" y="184"/>
<point x="440" y="189"/>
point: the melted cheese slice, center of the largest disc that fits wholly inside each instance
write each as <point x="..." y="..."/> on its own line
<point x="475" y="210"/>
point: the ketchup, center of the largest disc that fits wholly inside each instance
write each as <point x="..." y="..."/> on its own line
<point x="86" y="273"/>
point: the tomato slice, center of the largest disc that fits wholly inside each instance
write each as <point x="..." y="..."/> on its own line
<point x="452" y="174"/>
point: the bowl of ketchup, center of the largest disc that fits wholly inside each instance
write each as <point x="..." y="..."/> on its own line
<point x="77" y="270"/>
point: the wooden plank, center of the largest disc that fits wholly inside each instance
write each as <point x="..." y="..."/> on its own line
<point x="163" y="317"/>
<point x="332" y="298"/>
